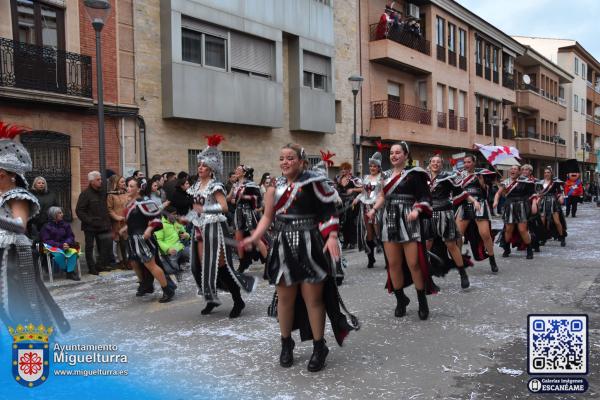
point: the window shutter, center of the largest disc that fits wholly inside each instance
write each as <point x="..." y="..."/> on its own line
<point x="316" y="64"/>
<point x="204" y="27"/>
<point x="252" y="54"/>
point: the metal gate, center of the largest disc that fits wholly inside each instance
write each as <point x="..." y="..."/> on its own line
<point x="51" y="157"/>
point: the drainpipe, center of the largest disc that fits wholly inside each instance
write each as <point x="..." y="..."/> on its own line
<point x="143" y="147"/>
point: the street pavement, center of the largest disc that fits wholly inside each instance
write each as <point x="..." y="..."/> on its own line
<point x="472" y="347"/>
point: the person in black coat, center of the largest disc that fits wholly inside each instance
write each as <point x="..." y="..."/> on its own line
<point x="180" y="199"/>
<point x="47" y="199"/>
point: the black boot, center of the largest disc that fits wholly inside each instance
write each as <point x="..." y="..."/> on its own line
<point x="244" y="264"/>
<point x="423" y="307"/>
<point x="317" y="360"/>
<point x="529" y="252"/>
<point x="209" y="307"/>
<point x="72" y="276"/>
<point x="506" y="248"/>
<point x="286" y="358"/>
<point x="168" y="294"/>
<point x="371" y="254"/>
<point x="401" y="303"/>
<point x="464" y="278"/>
<point x="563" y="243"/>
<point x="238" y="303"/>
<point x="493" y="264"/>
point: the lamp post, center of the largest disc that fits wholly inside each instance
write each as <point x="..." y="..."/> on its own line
<point x="556" y="139"/>
<point x="98" y="11"/>
<point x="356" y="83"/>
<point x="494" y="120"/>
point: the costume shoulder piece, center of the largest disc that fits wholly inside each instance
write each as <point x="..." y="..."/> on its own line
<point x="285" y="192"/>
<point x="21" y="194"/>
<point x="446" y="176"/>
<point x="215" y="186"/>
<point x="148" y="207"/>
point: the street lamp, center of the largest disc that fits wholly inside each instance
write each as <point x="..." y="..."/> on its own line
<point x="494" y="121"/>
<point x="556" y="139"/>
<point x="98" y="12"/>
<point x="356" y="83"/>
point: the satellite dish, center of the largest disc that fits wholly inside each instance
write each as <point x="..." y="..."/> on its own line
<point x="526" y="79"/>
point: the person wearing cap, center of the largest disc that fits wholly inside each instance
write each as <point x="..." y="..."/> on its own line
<point x="369" y="229"/>
<point x="212" y="261"/>
<point x="24" y="299"/>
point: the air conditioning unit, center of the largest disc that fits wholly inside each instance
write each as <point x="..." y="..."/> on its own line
<point x="413" y="10"/>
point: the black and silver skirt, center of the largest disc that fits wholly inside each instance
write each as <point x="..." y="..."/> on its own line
<point x="396" y="227"/>
<point x="296" y="254"/>
<point x="443" y="224"/>
<point x="516" y="211"/>
<point x="549" y="205"/>
<point x="140" y="249"/>
<point x="245" y="219"/>
<point x="466" y="211"/>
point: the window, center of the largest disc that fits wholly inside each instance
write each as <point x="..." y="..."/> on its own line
<point x="338" y="111"/>
<point x="451" y="36"/>
<point x="561" y="92"/>
<point x="576" y="66"/>
<point x="451" y="94"/>
<point x="583" y="72"/>
<point x="478" y="50"/>
<point x="582" y="106"/>
<point x="576" y="103"/>
<point x="38" y="24"/>
<point x="422" y="91"/>
<point x="462" y="43"/>
<point x="461" y="103"/>
<point x="487" y="55"/>
<point x="394" y="92"/>
<point x="440" y="98"/>
<point x="477" y="109"/>
<point x="313" y="160"/>
<point x="203" y="43"/>
<point x="252" y="55"/>
<point x="440" y="31"/>
<point x="231" y="159"/>
<point x="495" y="59"/>
<point x="575" y="140"/>
<point x="316" y="70"/>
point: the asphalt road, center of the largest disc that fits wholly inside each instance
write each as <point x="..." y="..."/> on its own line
<point x="472" y="347"/>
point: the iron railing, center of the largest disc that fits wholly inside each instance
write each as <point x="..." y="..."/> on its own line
<point x="27" y="66"/>
<point x="403" y="112"/>
<point x="479" y="69"/>
<point x="441" y="119"/>
<point x="441" y="53"/>
<point x="508" y="80"/>
<point x="451" y="58"/>
<point x="463" y="124"/>
<point x="408" y="38"/>
<point x="452" y="121"/>
<point x="479" y="128"/>
<point x="462" y="62"/>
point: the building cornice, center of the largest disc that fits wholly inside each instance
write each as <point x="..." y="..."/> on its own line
<point x="547" y="63"/>
<point x="583" y="53"/>
<point x="481" y="25"/>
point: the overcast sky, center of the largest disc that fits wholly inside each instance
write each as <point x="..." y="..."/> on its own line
<point x="565" y="19"/>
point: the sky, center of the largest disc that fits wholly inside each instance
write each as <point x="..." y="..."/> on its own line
<point x="564" y="19"/>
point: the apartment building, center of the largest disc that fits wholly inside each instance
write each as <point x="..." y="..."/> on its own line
<point x="442" y="78"/>
<point x="582" y="125"/>
<point x="48" y="83"/>
<point x="260" y="73"/>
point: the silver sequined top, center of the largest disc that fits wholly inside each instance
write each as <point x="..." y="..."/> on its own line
<point x="9" y="238"/>
<point x="205" y="197"/>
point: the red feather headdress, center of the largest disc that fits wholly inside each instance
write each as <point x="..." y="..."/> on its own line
<point x="381" y="146"/>
<point x="327" y="157"/>
<point x="214" y="140"/>
<point x="8" y="131"/>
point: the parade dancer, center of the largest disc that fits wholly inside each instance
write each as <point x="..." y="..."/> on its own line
<point x="211" y="260"/>
<point x="348" y="188"/>
<point x="247" y="198"/>
<point x="405" y="199"/>
<point x="446" y="193"/>
<point x="369" y="229"/>
<point x="517" y="190"/>
<point x="534" y="222"/>
<point x="143" y="218"/>
<point x="475" y="225"/>
<point x="549" y="201"/>
<point x="301" y="260"/>
<point x="24" y="298"/>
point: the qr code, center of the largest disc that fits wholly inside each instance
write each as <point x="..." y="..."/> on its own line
<point x="557" y="344"/>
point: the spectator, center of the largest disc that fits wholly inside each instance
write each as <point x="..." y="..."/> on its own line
<point x="154" y="190"/>
<point x="169" y="185"/>
<point x="47" y="199"/>
<point x="59" y="240"/>
<point x="171" y="240"/>
<point x="138" y="174"/>
<point x="116" y="202"/>
<point x="265" y="181"/>
<point x="181" y="200"/>
<point x="92" y="210"/>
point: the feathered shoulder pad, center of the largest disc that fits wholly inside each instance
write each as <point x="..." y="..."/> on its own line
<point x="21" y="194"/>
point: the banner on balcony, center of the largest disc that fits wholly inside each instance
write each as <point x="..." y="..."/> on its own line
<point x="498" y="154"/>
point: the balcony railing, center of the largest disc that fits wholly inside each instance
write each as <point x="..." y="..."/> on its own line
<point x="441" y="53"/>
<point x="462" y="62"/>
<point x="452" y="121"/>
<point x="528" y="135"/>
<point x="26" y="66"/>
<point x="495" y="77"/>
<point x="403" y="112"/>
<point x="562" y="102"/>
<point x="441" y="119"/>
<point x="488" y="130"/>
<point x="507" y="133"/>
<point x="488" y="73"/>
<point x="407" y="38"/>
<point x="508" y="80"/>
<point x="451" y="58"/>
<point x="479" y="69"/>
<point x="463" y="124"/>
<point x="533" y="88"/>
<point x="479" y="128"/>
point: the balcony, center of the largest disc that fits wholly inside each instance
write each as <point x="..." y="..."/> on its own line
<point x="479" y="128"/>
<point x="31" y="69"/>
<point x="488" y="73"/>
<point x="404" y="37"/>
<point x="463" y="124"/>
<point x="479" y="69"/>
<point x="508" y="81"/>
<point x="403" y="112"/>
<point x="441" y="53"/>
<point x="507" y="133"/>
<point x="462" y="62"/>
<point x="451" y="58"/>
<point x="452" y="121"/>
<point x="495" y="77"/>
<point x="530" y="98"/>
<point x="441" y="120"/>
<point x="528" y="144"/>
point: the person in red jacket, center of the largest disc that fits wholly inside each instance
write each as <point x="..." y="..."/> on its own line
<point x="573" y="192"/>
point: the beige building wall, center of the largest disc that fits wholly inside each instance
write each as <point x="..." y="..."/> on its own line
<point x="168" y="140"/>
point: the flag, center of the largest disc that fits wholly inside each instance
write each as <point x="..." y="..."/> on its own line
<point x="497" y="154"/>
